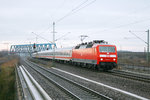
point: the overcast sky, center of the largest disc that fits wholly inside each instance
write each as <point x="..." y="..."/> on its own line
<point x="108" y="20"/>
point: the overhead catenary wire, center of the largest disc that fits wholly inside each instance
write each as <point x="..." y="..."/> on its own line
<point x="42" y="37"/>
<point x="123" y="25"/>
<point x="57" y="10"/>
<point x="76" y="9"/>
<point x="63" y="36"/>
<point x="137" y="37"/>
<point x="130" y="13"/>
<point x="135" y="22"/>
<point x="80" y="6"/>
<point x="84" y="6"/>
<point x="53" y="13"/>
<point x="86" y="3"/>
<point x="70" y="12"/>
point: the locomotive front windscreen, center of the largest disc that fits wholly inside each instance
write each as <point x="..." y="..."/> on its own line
<point x="106" y="49"/>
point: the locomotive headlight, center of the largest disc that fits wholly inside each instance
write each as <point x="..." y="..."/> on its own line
<point x="114" y="59"/>
<point x="101" y="59"/>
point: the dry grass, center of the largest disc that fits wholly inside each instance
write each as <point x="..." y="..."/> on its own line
<point x="135" y="62"/>
<point x="7" y="80"/>
<point x="3" y="58"/>
<point x="133" y="58"/>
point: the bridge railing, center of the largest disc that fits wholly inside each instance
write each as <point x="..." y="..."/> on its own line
<point x="30" y="48"/>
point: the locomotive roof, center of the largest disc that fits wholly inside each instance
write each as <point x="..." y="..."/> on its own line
<point x="101" y="44"/>
<point x="91" y="44"/>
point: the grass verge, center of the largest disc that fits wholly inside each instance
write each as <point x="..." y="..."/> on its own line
<point x="7" y="80"/>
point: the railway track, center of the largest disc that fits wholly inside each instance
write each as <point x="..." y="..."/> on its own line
<point x="131" y="75"/>
<point x="75" y="90"/>
<point x="31" y="90"/>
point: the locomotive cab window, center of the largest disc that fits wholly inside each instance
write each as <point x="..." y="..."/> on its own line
<point x="106" y="49"/>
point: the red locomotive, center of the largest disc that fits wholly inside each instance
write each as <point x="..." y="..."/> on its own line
<point x="98" y="54"/>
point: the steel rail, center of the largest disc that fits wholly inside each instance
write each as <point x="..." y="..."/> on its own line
<point x="88" y="91"/>
<point x="134" y="76"/>
<point x="58" y="85"/>
<point x="25" y="93"/>
<point x="35" y="89"/>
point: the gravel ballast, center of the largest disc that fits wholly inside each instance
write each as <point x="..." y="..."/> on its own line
<point x="132" y="86"/>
